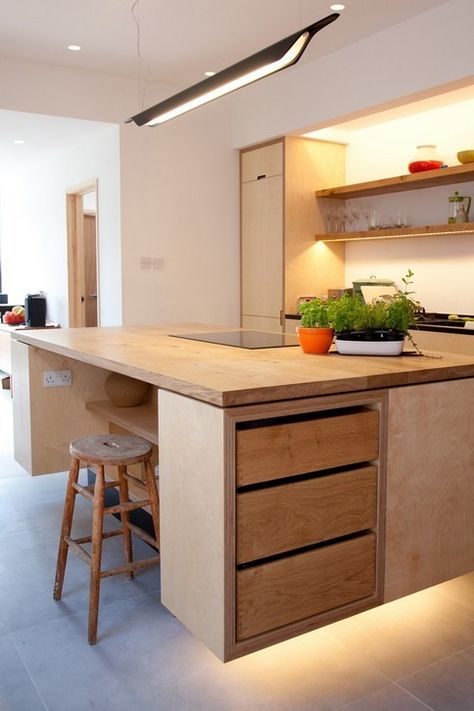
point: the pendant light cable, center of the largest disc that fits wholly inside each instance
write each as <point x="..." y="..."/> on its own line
<point x="136" y="17"/>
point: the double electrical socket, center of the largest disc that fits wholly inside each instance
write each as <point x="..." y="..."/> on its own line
<point x="57" y="378"/>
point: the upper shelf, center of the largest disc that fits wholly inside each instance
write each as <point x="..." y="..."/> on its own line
<point x="401" y="183"/>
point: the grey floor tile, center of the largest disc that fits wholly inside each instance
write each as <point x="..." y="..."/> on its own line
<point x="390" y="698"/>
<point x="147" y="660"/>
<point x="27" y="569"/>
<point x="408" y="634"/>
<point x="17" y="692"/>
<point x="446" y="686"/>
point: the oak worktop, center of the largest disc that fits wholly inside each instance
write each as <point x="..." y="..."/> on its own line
<point x="227" y="376"/>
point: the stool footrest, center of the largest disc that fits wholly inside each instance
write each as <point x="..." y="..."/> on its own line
<point x="106" y="534"/>
<point x="78" y="549"/>
<point x="143" y="535"/>
<point x="88" y="491"/>
<point x="136" y="565"/>
<point x="128" y="506"/>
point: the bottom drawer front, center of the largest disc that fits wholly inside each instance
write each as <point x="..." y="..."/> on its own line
<point x="293" y="588"/>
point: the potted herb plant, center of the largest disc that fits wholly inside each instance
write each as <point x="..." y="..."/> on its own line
<point x="377" y="328"/>
<point x="315" y="332"/>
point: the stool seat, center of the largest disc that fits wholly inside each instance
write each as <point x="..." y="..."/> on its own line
<point x="112" y="450"/>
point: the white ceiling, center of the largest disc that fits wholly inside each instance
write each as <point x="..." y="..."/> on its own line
<point x="181" y="40"/>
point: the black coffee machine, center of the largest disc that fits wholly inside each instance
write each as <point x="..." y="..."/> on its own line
<point x="35" y="310"/>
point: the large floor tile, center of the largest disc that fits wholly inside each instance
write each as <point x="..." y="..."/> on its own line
<point x="147" y="660"/>
<point x="390" y="698"/>
<point x="408" y="634"/>
<point x="446" y="686"/>
<point x="27" y="570"/>
<point x="17" y="691"/>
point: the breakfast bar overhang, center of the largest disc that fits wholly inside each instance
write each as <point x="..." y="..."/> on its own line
<point x="295" y="490"/>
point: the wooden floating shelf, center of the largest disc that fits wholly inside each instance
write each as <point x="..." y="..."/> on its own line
<point x="142" y="420"/>
<point x="398" y="233"/>
<point x="402" y="183"/>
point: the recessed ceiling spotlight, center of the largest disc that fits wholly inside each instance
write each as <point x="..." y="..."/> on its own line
<point x="18" y="141"/>
<point x="337" y="7"/>
<point x="209" y="74"/>
<point x="74" y="47"/>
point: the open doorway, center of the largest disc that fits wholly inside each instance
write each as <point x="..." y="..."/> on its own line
<point x="83" y="273"/>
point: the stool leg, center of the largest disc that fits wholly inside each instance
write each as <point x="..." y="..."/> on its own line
<point x="96" y="552"/>
<point x="154" y="500"/>
<point x="125" y="518"/>
<point x="66" y="526"/>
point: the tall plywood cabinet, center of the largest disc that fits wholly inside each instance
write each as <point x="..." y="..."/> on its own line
<point x="279" y="217"/>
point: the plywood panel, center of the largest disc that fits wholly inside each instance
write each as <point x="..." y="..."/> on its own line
<point x="444" y="342"/>
<point x="310" y="268"/>
<point x="262" y="247"/>
<point x="282" y="518"/>
<point x="281" y="450"/>
<point x="298" y="586"/>
<point x="192" y="484"/>
<point x="264" y="161"/>
<point x="430" y="486"/>
<point x="261" y="323"/>
<point x="56" y="415"/>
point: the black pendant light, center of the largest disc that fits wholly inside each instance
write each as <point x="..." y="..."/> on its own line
<point x="268" y="61"/>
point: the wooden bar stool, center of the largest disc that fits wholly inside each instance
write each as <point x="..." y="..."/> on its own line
<point x="119" y="451"/>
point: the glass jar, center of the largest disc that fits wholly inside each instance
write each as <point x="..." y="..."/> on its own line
<point x="426" y="158"/>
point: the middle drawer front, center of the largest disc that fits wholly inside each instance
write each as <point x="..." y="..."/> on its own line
<point x="299" y="586"/>
<point x="289" y="516"/>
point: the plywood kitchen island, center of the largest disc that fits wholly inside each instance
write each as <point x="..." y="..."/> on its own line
<point x="294" y="489"/>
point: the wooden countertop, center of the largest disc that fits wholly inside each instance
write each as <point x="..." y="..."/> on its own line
<point x="226" y="376"/>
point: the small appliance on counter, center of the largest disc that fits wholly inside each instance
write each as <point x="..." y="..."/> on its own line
<point x="35" y="309"/>
<point x="373" y="288"/>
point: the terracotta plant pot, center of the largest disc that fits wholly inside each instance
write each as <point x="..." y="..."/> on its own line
<point x="315" y="340"/>
<point x="124" y="391"/>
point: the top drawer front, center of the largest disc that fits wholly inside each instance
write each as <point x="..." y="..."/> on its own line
<point x="281" y="450"/>
<point x="262" y="162"/>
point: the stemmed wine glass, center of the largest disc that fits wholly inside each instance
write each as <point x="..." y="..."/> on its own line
<point x="365" y="209"/>
<point x="355" y="212"/>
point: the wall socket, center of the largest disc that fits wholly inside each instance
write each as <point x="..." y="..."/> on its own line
<point x="57" y="378"/>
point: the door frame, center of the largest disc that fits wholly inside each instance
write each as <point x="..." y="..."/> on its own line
<point x="75" y="252"/>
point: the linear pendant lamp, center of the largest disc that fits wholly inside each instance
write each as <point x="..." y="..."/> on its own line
<point x="268" y="61"/>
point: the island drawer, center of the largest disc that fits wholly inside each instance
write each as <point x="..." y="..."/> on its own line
<point x="323" y="441"/>
<point x="284" y="517"/>
<point x="300" y="586"/>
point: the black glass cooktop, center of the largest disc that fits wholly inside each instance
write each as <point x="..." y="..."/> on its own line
<point x="243" y="339"/>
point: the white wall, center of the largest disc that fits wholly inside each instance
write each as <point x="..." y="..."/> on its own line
<point x="33" y="224"/>
<point x="443" y="266"/>
<point x="180" y="202"/>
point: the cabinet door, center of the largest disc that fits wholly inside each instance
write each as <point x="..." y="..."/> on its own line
<point x="261" y="323"/>
<point x="266" y="161"/>
<point x="262" y="247"/>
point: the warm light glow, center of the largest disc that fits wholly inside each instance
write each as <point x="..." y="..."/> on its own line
<point x="209" y="74"/>
<point x="241" y="81"/>
<point x="74" y="47"/>
<point x="337" y="7"/>
<point x="437" y="233"/>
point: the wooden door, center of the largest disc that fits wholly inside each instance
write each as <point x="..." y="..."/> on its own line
<point x="262" y="248"/>
<point x="82" y="256"/>
<point x="90" y="269"/>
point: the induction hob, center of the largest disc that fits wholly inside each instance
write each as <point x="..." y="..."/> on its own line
<point x="243" y="339"/>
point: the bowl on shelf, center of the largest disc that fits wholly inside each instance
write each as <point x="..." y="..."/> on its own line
<point x="418" y="166"/>
<point x="466" y="156"/>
